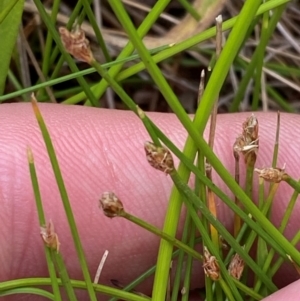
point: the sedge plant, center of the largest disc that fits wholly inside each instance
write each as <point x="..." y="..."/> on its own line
<point x="224" y="256"/>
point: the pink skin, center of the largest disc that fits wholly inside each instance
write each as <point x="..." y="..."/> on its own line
<point x="102" y="150"/>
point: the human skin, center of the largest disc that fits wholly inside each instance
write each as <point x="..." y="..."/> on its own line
<point x="102" y="150"/>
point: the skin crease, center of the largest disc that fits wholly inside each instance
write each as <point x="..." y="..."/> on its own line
<point x="102" y="150"/>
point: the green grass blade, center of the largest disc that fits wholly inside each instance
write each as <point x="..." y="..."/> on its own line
<point x="10" y="19"/>
<point x="190" y="9"/>
<point x="41" y="215"/>
<point x="251" y="67"/>
<point x="192" y="198"/>
<point x="227" y="56"/>
<point x="96" y="29"/>
<point x="152" y="68"/>
<point x="65" y="200"/>
<point x="64" y="276"/>
<point x="260" y="61"/>
<point x="210" y="94"/>
<point x="189" y="264"/>
<point x="75" y="75"/>
<point x="35" y="282"/>
<point x="30" y="291"/>
<point x="56" y="51"/>
<point x="48" y="45"/>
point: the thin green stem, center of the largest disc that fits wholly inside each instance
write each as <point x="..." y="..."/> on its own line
<point x="226" y="290"/>
<point x="71" y="76"/>
<point x="64" y="276"/>
<point x="280" y="260"/>
<point x="190" y="9"/>
<point x="29" y="290"/>
<point x="152" y="68"/>
<point x="155" y="12"/>
<point x="249" y="178"/>
<point x="190" y="197"/>
<point x="188" y="164"/>
<point x="282" y="103"/>
<point x="107" y="290"/>
<point x="65" y="200"/>
<point x="251" y="67"/>
<point x="293" y="183"/>
<point x="42" y="221"/>
<point x="287" y="214"/>
<point x="148" y="126"/>
<point x="180" y="264"/>
<point x="147" y="274"/>
<point x="96" y="29"/>
<point x="205" y="236"/>
<point x="67" y="57"/>
<point x="177" y="243"/>
<point x="99" y="89"/>
<point x="276" y="143"/>
<point x="260" y="60"/>
<point x="56" y="51"/>
<point x="189" y="262"/>
<point x="48" y="45"/>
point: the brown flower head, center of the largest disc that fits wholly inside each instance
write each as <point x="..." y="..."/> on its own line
<point x="274" y="175"/>
<point x="250" y="128"/>
<point x="111" y="205"/>
<point x="210" y="265"/>
<point x="236" y="266"/>
<point x="159" y="157"/>
<point x="76" y="44"/>
<point x="49" y="237"/>
<point x="247" y="143"/>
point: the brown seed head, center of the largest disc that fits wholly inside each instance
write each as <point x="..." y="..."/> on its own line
<point x="49" y="237"/>
<point x="236" y="266"/>
<point x="247" y="143"/>
<point x="274" y="175"/>
<point x="111" y="205"/>
<point x="76" y="44"/>
<point x="159" y="157"/>
<point x="210" y="265"/>
<point x="250" y="128"/>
